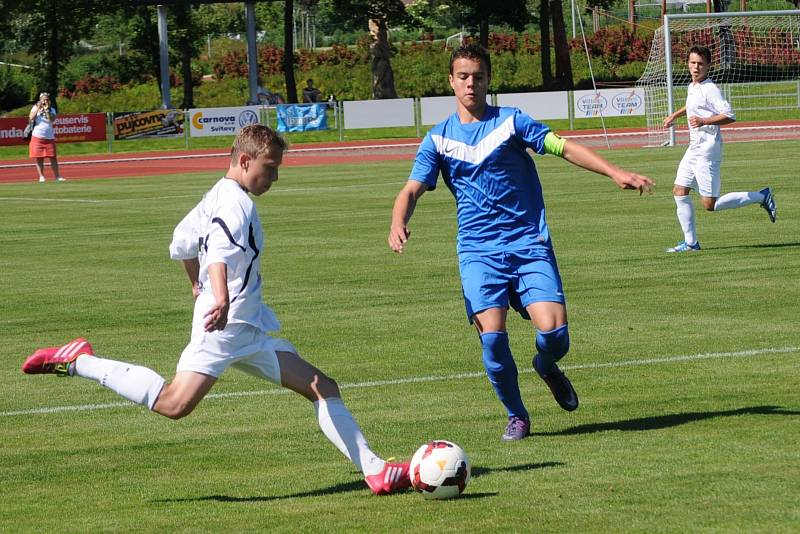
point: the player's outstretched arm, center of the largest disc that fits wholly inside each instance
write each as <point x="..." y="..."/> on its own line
<point x="588" y="159"/>
<point x="404" y="206"/>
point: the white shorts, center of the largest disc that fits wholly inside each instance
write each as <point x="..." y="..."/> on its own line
<point x="700" y="174"/>
<point x="240" y="345"/>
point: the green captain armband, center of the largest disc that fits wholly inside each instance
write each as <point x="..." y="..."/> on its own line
<point x="553" y="144"/>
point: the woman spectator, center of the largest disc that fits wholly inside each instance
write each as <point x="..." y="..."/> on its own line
<point x="43" y="140"/>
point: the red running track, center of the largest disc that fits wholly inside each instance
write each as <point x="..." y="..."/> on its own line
<point x="216" y="160"/>
<point x="205" y="160"/>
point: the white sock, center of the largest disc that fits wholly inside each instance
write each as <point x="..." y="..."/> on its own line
<point x="137" y="384"/>
<point x="737" y="200"/>
<point x="686" y="218"/>
<point x="341" y="429"/>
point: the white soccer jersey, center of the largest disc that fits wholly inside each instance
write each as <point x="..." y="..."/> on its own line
<point x="705" y="100"/>
<point x="224" y="227"/>
<point x="43" y="128"/>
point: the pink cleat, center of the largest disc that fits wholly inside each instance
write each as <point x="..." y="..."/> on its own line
<point x="56" y="359"/>
<point x="393" y="478"/>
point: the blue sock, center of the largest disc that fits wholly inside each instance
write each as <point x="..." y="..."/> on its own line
<point x="551" y="346"/>
<point x="502" y="372"/>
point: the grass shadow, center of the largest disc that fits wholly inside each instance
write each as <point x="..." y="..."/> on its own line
<point x="665" y="421"/>
<point x="758" y="245"/>
<point x="350" y="486"/>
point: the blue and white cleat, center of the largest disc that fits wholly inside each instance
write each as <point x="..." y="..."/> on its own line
<point x="683" y="246"/>
<point x="769" y="203"/>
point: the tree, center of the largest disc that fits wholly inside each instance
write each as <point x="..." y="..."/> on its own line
<point x="9" y="10"/>
<point x="186" y="47"/>
<point x="428" y="15"/>
<point x="382" y="74"/>
<point x="355" y="14"/>
<point x="144" y="37"/>
<point x="51" y="31"/>
<point x="544" y="30"/>
<point x="479" y="14"/>
<point x="288" y="51"/>
<point x="377" y="15"/>
<point x="561" y="44"/>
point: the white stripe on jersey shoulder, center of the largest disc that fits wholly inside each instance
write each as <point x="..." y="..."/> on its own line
<point x="475" y="154"/>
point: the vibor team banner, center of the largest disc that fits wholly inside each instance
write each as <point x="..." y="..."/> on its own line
<point x="158" y="123"/>
<point x="69" y="128"/>
<point x="609" y="103"/>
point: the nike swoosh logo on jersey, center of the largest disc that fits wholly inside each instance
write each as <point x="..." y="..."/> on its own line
<point x="478" y="153"/>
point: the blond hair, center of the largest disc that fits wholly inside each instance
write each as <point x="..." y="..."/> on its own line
<point x="44" y="111"/>
<point x="256" y="140"/>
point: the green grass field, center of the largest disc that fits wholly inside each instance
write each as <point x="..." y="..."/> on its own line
<point x="687" y="366"/>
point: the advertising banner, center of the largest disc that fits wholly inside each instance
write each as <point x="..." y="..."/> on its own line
<point x="68" y="128"/>
<point x="11" y="131"/>
<point x="206" y="122"/>
<point x="302" y="117"/>
<point x="158" y="123"/>
<point x="609" y="103"/>
<point x="81" y="127"/>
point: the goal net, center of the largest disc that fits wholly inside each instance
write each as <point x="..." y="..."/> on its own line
<point x="755" y="62"/>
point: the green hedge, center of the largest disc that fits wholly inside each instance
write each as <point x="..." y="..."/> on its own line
<point x="419" y="70"/>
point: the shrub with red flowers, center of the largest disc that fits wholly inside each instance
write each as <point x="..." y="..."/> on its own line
<point x="306" y="59"/>
<point x="233" y="64"/>
<point x="92" y="84"/>
<point x="530" y="45"/>
<point x="616" y="46"/>
<point x="270" y="59"/>
<point x="502" y="42"/>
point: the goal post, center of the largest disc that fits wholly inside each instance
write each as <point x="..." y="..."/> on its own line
<point x="755" y="60"/>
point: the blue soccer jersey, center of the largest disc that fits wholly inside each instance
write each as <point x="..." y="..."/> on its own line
<point x="486" y="166"/>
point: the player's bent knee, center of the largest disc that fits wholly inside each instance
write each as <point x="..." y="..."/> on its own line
<point x="173" y="406"/>
<point x="327" y="386"/>
<point x="554" y="343"/>
<point x="173" y="411"/>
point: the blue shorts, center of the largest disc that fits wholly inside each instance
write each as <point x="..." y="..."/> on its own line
<point x="516" y="279"/>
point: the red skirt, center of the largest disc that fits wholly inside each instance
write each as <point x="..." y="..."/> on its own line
<point x="42" y="148"/>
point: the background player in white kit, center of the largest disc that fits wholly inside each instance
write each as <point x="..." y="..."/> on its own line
<point x="699" y="169"/>
<point x="219" y="243"/>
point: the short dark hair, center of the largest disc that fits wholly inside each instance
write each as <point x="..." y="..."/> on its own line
<point x="474" y="52"/>
<point x="700" y="50"/>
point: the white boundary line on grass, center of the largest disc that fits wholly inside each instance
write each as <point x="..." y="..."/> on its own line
<point x="145" y="157"/>
<point x="420" y="379"/>
<point x="197" y="195"/>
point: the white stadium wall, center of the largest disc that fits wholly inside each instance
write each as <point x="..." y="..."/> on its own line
<point x="378" y="113"/>
<point x="540" y="106"/>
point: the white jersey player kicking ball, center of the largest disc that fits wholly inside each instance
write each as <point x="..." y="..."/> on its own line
<point x="220" y="243"/>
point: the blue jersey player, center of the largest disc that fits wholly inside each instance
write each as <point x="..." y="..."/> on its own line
<point x="504" y="250"/>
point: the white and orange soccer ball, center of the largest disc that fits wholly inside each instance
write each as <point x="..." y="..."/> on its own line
<point x="439" y="470"/>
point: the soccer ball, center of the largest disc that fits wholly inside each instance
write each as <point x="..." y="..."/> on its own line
<point x="439" y="470"/>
